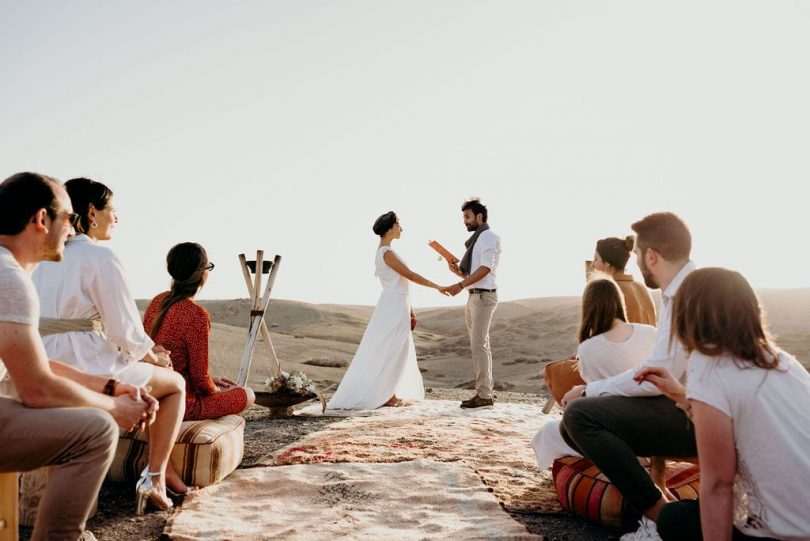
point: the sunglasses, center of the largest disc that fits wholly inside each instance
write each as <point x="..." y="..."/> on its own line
<point x="209" y="267"/>
<point x="74" y="220"/>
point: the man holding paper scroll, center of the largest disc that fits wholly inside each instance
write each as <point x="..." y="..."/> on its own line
<point x="477" y="271"/>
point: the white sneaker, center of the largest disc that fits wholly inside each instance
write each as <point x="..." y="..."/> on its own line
<point x="647" y="531"/>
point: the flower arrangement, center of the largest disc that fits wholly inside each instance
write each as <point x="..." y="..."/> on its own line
<point x="297" y="383"/>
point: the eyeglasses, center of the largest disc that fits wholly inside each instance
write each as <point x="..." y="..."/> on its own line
<point x="74" y="220"/>
<point x="209" y="267"/>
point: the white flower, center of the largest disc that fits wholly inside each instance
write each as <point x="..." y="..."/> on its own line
<point x="298" y="382"/>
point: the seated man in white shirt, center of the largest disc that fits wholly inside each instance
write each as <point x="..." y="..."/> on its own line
<point x="614" y="420"/>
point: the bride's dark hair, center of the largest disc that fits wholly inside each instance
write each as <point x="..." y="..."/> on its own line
<point x="384" y="223"/>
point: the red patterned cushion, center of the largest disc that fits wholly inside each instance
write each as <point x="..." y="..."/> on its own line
<point x="585" y="492"/>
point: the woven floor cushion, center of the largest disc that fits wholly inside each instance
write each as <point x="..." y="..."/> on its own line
<point x="585" y="492"/>
<point x="205" y="452"/>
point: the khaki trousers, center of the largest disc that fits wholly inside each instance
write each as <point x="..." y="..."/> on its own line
<point x="77" y="443"/>
<point x="480" y="308"/>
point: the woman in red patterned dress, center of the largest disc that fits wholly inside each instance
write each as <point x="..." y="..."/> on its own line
<point x="177" y="323"/>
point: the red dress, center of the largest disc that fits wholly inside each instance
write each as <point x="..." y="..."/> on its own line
<point x="184" y="332"/>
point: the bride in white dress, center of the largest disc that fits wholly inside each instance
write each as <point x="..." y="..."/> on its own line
<point x="384" y="369"/>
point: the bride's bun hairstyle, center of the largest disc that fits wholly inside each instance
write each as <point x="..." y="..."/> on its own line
<point x="384" y="223"/>
<point x="615" y="251"/>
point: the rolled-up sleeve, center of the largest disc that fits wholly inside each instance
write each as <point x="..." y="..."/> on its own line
<point x="489" y="250"/>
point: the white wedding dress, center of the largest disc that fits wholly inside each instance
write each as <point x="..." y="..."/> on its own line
<point x="385" y="362"/>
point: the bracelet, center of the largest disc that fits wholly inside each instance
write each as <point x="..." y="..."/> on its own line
<point x="460" y="285"/>
<point x="109" y="387"/>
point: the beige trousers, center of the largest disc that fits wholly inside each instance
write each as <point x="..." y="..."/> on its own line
<point x="77" y="443"/>
<point x="480" y="308"/>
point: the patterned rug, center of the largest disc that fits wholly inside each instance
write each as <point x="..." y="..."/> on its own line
<point x="495" y="443"/>
<point x="422" y="499"/>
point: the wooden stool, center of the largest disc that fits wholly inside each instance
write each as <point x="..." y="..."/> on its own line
<point x="9" y="512"/>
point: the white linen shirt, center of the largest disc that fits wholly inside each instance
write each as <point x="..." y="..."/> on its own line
<point x="486" y="253"/>
<point x="672" y="358"/>
<point x="90" y="282"/>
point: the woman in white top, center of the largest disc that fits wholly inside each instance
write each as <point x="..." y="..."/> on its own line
<point x="90" y="320"/>
<point x="750" y="404"/>
<point x="384" y="367"/>
<point x="608" y="345"/>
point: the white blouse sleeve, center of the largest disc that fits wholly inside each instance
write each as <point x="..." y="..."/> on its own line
<point x="706" y="383"/>
<point x="112" y="297"/>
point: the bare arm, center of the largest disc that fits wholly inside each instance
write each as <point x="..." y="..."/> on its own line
<point x="714" y="433"/>
<point x="453" y="266"/>
<point x="88" y="381"/>
<point x="402" y="269"/>
<point x="22" y="352"/>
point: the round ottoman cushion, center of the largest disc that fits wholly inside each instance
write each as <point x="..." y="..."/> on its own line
<point x="585" y="492"/>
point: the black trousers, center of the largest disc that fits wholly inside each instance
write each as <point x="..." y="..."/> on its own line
<point x="680" y="521"/>
<point x="612" y="431"/>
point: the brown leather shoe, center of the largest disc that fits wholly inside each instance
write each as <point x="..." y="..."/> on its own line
<point x="477" y="402"/>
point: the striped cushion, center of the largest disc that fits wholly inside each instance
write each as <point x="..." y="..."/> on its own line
<point x="585" y="492"/>
<point x="205" y="452"/>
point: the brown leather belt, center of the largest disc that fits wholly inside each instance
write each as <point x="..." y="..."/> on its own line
<point x="475" y="290"/>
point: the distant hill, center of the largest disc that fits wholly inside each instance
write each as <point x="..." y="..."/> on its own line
<point x="321" y="339"/>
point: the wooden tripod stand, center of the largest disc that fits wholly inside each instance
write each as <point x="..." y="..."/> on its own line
<point x="258" y="309"/>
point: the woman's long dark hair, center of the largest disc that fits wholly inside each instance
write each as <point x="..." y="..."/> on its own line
<point x="186" y="264"/>
<point x="716" y="312"/>
<point x="602" y="302"/>
<point x="84" y="192"/>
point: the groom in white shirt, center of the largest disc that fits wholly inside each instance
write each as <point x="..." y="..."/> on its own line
<point x="477" y="270"/>
<point x="614" y="420"/>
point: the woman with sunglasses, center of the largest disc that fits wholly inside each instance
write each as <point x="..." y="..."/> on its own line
<point x="180" y="325"/>
<point x="90" y="321"/>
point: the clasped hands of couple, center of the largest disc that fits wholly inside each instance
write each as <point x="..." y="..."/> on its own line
<point x="455" y="289"/>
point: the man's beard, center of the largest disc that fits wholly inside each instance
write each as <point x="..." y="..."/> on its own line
<point x="649" y="279"/>
<point x="53" y="248"/>
<point x="472" y="227"/>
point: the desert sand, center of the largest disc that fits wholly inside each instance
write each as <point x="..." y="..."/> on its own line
<point x="320" y="339"/>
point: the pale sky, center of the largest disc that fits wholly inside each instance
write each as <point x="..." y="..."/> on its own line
<point x="290" y="126"/>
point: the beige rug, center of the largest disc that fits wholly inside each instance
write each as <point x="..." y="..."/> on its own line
<point x="421" y="499"/>
<point x="495" y="443"/>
